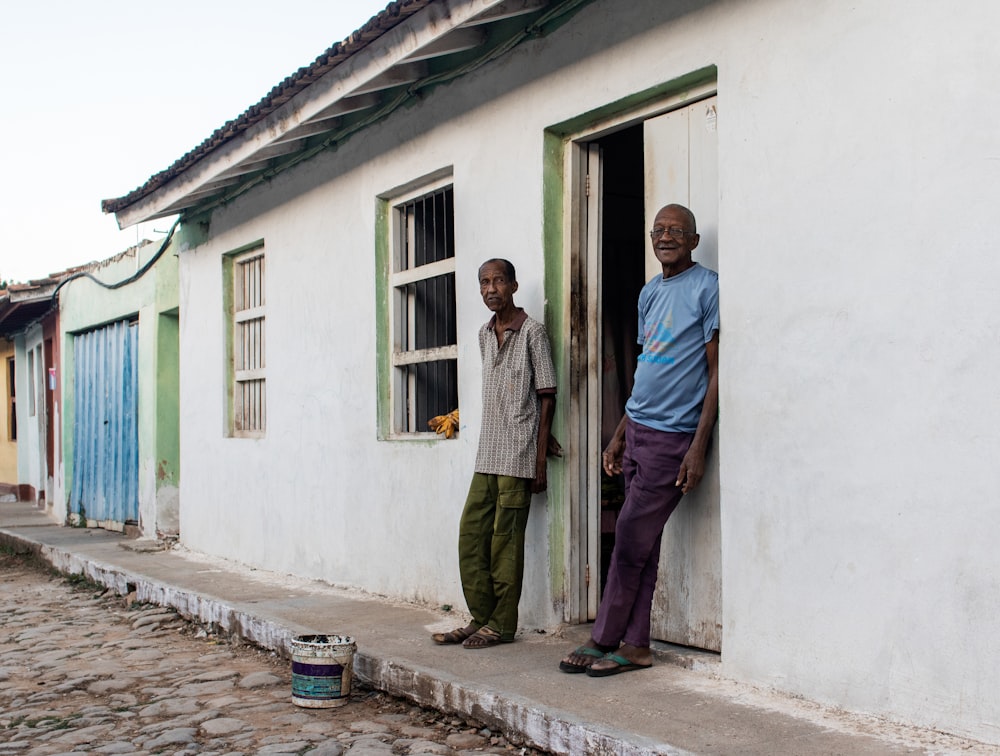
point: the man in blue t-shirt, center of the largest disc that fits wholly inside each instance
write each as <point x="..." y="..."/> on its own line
<point x="661" y="441"/>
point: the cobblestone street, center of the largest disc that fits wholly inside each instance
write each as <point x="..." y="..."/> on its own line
<point x="83" y="670"/>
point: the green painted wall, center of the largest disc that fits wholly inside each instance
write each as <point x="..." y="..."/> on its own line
<point x="556" y="293"/>
<point x="167" y="430"/>
<point x="382" y="270"/>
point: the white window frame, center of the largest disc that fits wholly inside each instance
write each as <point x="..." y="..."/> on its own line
<point x="403" y="315"/>
<point x="249" y="354"/>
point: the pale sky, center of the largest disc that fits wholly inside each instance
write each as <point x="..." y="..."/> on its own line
<point x="98" y="97"/>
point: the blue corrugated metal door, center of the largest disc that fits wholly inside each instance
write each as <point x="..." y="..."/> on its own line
<point x="105" y="434"/>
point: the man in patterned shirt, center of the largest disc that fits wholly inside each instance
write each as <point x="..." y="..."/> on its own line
<point x="519" y="394"/>
<point x="661" y="441"/>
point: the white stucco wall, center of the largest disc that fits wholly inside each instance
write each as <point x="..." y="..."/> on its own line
<point x="320" y="495"/>
<point x="860" y="361"/>
<point x="858" y="166"/>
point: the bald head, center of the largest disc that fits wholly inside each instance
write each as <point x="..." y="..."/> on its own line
<point x="692" y="224"/>
<point x="674" y="237"/>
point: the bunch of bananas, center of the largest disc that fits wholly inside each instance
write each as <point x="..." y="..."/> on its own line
<point x="446" y="424"/>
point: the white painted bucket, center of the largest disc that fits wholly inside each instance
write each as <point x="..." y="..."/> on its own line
<point x="321" y="670"/>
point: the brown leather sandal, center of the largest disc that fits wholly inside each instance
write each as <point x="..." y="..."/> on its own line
<point x="456" y="636"/>
<point x="484" y="637"/>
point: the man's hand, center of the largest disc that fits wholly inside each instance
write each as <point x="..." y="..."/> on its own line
<point x="554" y="447"/>
<point x="692" y="470"/>
<point x="611" y="459"/>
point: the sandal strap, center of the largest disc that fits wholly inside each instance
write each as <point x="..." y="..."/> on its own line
<point x="588" y="651"/>
<point x="621" y="661"/>
<point x="483" y="637"/>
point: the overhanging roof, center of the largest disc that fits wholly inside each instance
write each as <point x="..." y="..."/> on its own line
<point x="408" y="47"/>
<point x="21" y="305"/>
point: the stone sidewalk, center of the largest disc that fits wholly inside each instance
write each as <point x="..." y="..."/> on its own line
<point x="679" y="706"/>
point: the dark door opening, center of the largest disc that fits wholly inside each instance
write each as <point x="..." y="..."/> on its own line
<point x="623" y="246"/>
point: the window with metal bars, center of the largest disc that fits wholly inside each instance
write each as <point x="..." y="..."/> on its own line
<point x="248" y="342"/>
<point x="425" y="349"/>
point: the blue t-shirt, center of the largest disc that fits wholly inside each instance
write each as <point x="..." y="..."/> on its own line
<point x="677" y="317"/>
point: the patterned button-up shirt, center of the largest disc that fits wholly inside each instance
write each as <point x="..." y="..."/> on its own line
<point x="514" y="374"/>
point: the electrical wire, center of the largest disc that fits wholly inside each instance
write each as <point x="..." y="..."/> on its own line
<point x="125" y="282"/>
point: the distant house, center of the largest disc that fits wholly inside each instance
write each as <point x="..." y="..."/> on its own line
<point x="29" y="319"/>
<point x="91" y="391"/>
<point x="119" y="330"/>
<point x="840" y="159"/>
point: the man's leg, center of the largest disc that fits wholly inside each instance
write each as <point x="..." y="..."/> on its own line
<point x="651" y="463"/>
<point x="507" y="552"/>
<point x="637" y="627"/>
<point x="475" y="534"/>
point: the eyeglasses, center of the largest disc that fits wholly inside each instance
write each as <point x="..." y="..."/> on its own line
<point x="674" y="231"/>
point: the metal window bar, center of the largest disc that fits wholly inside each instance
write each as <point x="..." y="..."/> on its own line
<point x="426" y="335"/>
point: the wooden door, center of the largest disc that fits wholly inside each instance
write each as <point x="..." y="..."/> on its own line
<point x="681" y="166"/>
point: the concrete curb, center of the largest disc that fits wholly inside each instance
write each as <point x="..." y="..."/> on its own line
<point x="541" y="727"/>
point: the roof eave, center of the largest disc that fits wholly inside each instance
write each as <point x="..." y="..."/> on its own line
<point x="391" y="60"/>
<point x="19" y="311"/>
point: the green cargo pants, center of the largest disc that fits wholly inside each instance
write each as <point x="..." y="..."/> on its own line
<point x="491" y="549"/>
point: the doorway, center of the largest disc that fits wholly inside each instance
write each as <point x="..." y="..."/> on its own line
<point x="632" y="171"/>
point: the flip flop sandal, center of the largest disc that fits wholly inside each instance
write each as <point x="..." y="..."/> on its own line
<point x="624" y="665"/>
<point x="573" y="669"/>
<point x="454" y="637"/>
<point x="484" y="637"/>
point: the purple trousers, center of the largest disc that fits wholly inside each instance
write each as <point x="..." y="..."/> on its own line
<point x="651" y="462"/>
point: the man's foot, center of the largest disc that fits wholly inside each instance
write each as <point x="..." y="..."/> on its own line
<point x="584" y="656"/>
<point x="455" y="636"/>
<point x="484" y="637"/>
<point x="625" y="659"/>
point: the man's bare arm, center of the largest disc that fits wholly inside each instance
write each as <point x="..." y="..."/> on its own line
<point x="545" y="413"/>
